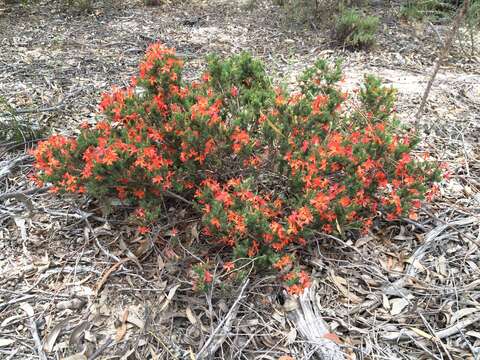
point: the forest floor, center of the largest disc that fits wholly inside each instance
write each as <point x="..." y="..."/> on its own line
<point x="71" y="284"/>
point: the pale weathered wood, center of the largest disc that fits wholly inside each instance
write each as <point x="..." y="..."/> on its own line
<point x="309" y="323"/>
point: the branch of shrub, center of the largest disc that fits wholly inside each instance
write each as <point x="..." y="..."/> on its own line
<point x="178" y="197"/>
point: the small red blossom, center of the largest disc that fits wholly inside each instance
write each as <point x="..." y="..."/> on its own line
<point x="207" y="277"/>
<point x="143" y="230"/>
<point x="229" y="266"/>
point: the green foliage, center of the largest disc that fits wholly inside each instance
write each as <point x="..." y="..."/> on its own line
<point x="14" y="129"/>
<point x="80" y="6"/>
<point x="431" y="9"/>
<point x="355" y="30"/>
<point x="439" y="10"/>
<point x="473" y="15"/>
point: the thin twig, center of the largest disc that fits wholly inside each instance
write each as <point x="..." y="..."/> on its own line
<point x="178" y="197"/>
<point x="36" y="338"/>
<point x="11" y="164"/>
<point x="101" y="349"/>
<point x="208" y="349"/>
<point x="443" y="54"/>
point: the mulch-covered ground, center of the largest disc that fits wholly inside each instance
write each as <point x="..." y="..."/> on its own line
<point x="81" y="284"/>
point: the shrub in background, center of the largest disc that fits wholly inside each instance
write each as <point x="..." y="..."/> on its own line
<point x="16" y="130"/>
<point x="431" y="9"/>
<point x="267" y="170"/>
<point x="355" y="30"/>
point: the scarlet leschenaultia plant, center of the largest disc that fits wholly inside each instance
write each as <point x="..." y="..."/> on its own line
<point x="267" y="170"/>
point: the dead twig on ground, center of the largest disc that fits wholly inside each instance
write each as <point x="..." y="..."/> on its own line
<point x="218" y="336"/>
<point x="101" y="349"/>
<point x="27" y="308"/>
<point x="307" y="319"/>
<point x="11" y="164"/>
<point x="443" y="54"/>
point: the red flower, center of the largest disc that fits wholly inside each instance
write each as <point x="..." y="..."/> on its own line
<point x="143" y="230"/>
<point x="229" y="266"/>
<point x="318" y="103"/>
<point x="345" y="201"/>
<point x="207" y="277"/>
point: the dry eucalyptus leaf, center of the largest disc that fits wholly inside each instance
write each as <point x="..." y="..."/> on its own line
<point x="397" y="305"/>
<point x="421" y="333"/>
<point x="385" y="302"/>
<point x="9" y="320"/>
<point x="52" y="336"/>
<point x="76" y="357"/>
<point x="122" y="329"/>
<point x="145" y="246"/>
<point x="20" y="222"/>
<point x="170" y="296"/>
<point x="472" y="333"/>
<point x="291" y="336"/>
<point x="135" y="320"/>
<point x="160" y="263"/>
<point x="457" y="315"/>
<point x="73" y="304"/>
<point x="27" y="308"/>
<point x="77" y="332"/>
<point x="341" y="283"/>
<point x="128" y="353"/>
<point x="441" y="265"/>
<point x="290" y="304"/>
<point x="6" y="342"/>
<point x="190" y="316"/>
<point x="194" y="232"/>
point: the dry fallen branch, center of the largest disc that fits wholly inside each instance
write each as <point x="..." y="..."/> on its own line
<point x="6" y="167"/>
<point x="407" y="334"/>
<point x="27" y="308"/>
<point x="307" y="319"/>
<point x="220" y="333"/>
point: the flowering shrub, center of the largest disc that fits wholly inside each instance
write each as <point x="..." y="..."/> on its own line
<point x="266" y="169"/>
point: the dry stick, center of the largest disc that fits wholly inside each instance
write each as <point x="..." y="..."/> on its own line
<point x="443" y="54"/>
<point x="310" y="324"/>
<point x="11" y="164"/>
<point x="215" y="340"/>
<point x="438" y="335"/>
<point x="35" y="336"/>
<point x="101" y="349"/>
